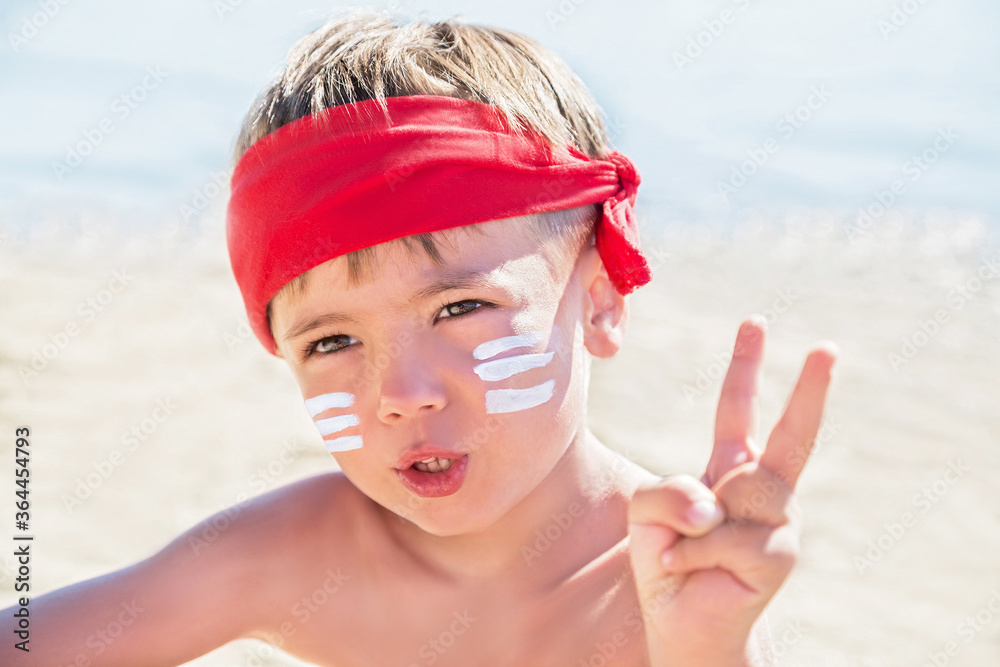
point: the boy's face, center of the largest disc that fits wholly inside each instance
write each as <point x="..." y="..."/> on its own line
<point x="420" y="360"/>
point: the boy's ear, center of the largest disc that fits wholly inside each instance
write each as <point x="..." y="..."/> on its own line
<point x="605" y="311"/>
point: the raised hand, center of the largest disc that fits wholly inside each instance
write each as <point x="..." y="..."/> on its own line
<point x="708" y="555"/>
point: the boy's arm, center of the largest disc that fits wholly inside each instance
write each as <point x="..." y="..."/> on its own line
<point x="149" y="613"/>
<point x="709" y="555"/>
<point x="199" y="592"/>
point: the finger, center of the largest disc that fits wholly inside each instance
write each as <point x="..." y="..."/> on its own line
<point x="794" y="436"/>
<point x="658" y="514"/>
<point x="737" y="417"/>
<point x="647" y="543"/>
<point x="679" y="502"/>
<point x="753" y="494"/>
<point x="760" y="557"/>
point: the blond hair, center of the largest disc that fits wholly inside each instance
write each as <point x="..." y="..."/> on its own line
<point x="363" y="54"/>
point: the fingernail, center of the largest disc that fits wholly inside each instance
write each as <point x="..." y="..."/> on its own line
<point x="703" y="512"/>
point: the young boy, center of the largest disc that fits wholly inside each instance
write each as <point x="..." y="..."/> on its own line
<point x="429" y="228"/>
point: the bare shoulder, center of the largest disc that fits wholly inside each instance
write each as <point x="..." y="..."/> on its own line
<point x="292" y="507"/>
<point x="308" y="544"/>
<point x="277" y="542"/>
<point x="289" y="523"/>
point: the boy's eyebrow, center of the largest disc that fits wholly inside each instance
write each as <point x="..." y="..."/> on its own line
<point x="304" y="326"/>
<point x="458" y="280"/>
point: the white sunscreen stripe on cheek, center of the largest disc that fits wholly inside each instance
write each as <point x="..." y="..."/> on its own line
<point x="324" y="402"/>
<point x="501" y="369"/>
<point x="512" y="400"/>
<point x="343" y="444"/>
<point x="492" y="348"/>
<point x="334" y="424"/>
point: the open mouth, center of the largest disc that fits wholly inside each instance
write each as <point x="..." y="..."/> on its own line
<point x="434" y="476"/>
<point x="434" y="464"/>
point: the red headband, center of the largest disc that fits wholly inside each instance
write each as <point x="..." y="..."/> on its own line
<point x="350" y="177"/>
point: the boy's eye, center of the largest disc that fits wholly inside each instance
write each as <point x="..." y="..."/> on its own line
<point x="331" y="344"/>
<point x="460" y="308"/>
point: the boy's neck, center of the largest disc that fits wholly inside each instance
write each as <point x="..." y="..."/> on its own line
<point x="582" y="504"/>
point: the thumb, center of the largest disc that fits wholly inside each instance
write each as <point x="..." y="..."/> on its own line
<point x="659" y="514"/>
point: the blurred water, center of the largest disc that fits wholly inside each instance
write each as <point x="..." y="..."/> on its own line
<point x="824" y="105"/>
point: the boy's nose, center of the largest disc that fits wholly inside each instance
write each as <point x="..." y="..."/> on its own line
<point x="409" y="386"/>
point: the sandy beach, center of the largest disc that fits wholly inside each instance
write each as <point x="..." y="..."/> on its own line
<point x="151" y="406"/>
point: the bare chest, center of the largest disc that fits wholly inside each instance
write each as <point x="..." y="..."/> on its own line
<point x="591" y="622"/>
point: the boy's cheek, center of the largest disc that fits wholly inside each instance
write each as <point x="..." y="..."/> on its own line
<point x="378" y="482"/>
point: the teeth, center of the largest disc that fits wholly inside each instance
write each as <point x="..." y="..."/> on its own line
<point x="434" y="464"/>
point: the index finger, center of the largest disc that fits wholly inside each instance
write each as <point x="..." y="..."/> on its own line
<point x="793" y="438"/>
<point x="737" y="414"/>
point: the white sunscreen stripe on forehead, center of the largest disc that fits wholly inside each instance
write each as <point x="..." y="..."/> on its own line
<point x="492" y="348"/>
<point x="343" y="444"/>
<point x="324" y="402"/>
<point x="512" y="400"/>
<point x="334" y="424"/>
<point x="501" y="369"/>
